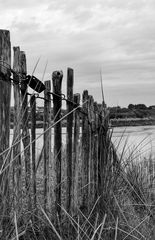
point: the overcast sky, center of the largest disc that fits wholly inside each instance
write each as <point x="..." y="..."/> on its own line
<point x="115" y="36"/>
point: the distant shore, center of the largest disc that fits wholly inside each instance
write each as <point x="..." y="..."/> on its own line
<point x="131" y="122"/>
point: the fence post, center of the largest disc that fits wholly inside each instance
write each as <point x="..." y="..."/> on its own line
<point x="5" y="94"/>
<point x="17" y="131"/>
<point x="57" y="102"/>
<point x="104" y="165"/>
<point x="47" y="143"/>
<point x="91" y="118"/>
<point x="95" y="150"/>
<point x="85" y="153"/>
<point x="76" y="153"/>
<point x="25" y="129"/>
<point x="33" y="137"/>
<point x="70" y="82"/>
<point x="100" y="154"/>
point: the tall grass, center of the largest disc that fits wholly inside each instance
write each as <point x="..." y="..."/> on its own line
<point x="123" y="210"/>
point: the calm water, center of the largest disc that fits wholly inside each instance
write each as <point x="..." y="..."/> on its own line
<point x="139" y="139"/>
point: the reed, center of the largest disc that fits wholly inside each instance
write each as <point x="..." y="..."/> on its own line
<point x="123" y="210"/>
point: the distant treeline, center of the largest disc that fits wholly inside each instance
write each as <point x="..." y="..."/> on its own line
<point x="132" y="111"/>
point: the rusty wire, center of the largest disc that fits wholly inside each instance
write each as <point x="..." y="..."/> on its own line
<point x="62" y="95"/>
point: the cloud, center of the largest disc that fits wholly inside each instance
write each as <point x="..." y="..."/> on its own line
<point x="115" y="36"/>
<point x="140" y="93"/>
<point x="17" y="4"/>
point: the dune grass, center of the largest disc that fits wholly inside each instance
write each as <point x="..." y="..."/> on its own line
<point x="124" y="210"/>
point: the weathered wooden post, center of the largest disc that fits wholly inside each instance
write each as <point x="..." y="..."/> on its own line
<point x="104" y="166"/>
<point x="25" y="129"/>
<point x="100" y="154"/>
<point x="76" y="149"/>
<point x="17" y="168"/>
<point x="33" y="137"/>
<point x="70" y="81"/>
<point x="95" y="150"/>
<point x="85" y="152"/>
<point x="91" y="117"/>
<point x="57" y="102"/>
<point x="5" y="94"/>
<point x="47" y="143"/>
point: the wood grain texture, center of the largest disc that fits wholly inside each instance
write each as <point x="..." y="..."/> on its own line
<point x="76" y="149"/>
<point x="5" y="91"/>
<point x="33" y="138"/>
<point x="17" y="130"/>
<point x="69" y="132"/>
<point x="5" y="95"/>
<point x="57" y="104"/>
<point x="25" y="129"/>
<point x="47" y="144"/>
<point x="85" y="151"/>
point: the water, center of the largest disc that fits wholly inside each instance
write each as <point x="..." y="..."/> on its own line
<point x="39" y="139"/>
<point x="140" y="139"/>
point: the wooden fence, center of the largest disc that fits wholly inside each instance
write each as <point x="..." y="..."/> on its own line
<point x="61" y="180"/>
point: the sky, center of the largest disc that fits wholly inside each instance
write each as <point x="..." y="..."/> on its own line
<point x="112" y="37"/>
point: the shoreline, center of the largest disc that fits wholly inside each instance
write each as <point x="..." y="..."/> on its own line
<point x="132" y="122"/>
